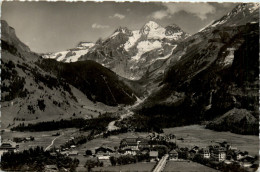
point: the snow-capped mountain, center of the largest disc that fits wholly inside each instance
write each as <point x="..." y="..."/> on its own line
<point x="126" y="52"/>
<point x="71" y="55"/>
<point x="211" y="75"/>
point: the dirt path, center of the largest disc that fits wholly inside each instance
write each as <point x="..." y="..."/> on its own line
<point x="52" y="142"/>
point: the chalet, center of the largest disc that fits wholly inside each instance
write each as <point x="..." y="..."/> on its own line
<point x="192" y="153"/>
<point x="173" y="155"/>
<point x="51" y="168"/>
<point x="240" y="155"/>
<point x="8" y="147"/>
<point x="145" y="151"/>
<point x="153" y="155"/>
<point x="129" y="151"/>
<point x="53" y="154"/>
<point x="196" y="149"/>
<point x="73" y="146"/>
<point x="219" y="154"/>
<point x="73" y="153"/>
<point x="228" y="162"/>
<point x="247" y="161"/>
<point x="134" y="143"/>
<point x="105" y="159"/>
<point x="245" y="164"/>
<point x="64" y="153"/>
<point x="104" y="150"/>
<point x="205" y="153"/>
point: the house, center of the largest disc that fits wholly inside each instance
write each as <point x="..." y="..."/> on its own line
<point x="104" y="150"/>
<point x="192" y="153"/>
<point x="8" y="147"/>
<point x="73" y="146"/>
<point x="228" y="162"/>
<point x="196" y="149"/>
<point x="73" y="153"/>
<point x="105" y="159"/>
<point x="53" y="154"/>
<point x="240" y="155"/>
<point x="153" y="155"/>
<point x="173" y="155"/>
<point x="219" y="154"/>
<point x="65" y="153"/>
<point x="134" y="143"/>
<point x="205" y="153"/>
<point x="129" y="151"/>
<point x="145" y="151"/>
<point x="245" y="164"/>
<point x="51" y="168"/>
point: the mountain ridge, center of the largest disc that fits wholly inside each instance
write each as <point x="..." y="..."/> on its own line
<point x="125" y="51"/>
<point x="32" y="91"/>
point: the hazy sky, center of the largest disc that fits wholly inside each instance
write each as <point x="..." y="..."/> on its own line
<point x="56" y="26"/>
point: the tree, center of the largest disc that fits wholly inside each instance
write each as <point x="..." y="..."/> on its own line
<point x="88" y="152"/>
<point x="112" y="160"/>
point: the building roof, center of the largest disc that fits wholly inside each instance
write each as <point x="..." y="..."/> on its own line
<point x="73" y="152"/>
<point x="173" y="152"/>
<point x="51" y="166"/>
<point x="195" y="147"/>
<point x="204" y="150"/>
<point x="153" y="154"/>
<point x="219" y="150"/>
<point x="8" y="144"/>
<point x="133" y="141"/>
<point x="105" y="149"/>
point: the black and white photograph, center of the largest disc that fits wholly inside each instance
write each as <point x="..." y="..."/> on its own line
<point x="129" y="86"/>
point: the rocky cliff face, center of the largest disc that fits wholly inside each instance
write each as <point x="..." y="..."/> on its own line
<point x="216" y="72"/>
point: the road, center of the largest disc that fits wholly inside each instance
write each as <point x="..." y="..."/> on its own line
<point x="161" y="164"/>
<point x="52" y="142"/>
<point x="126" y="113"/>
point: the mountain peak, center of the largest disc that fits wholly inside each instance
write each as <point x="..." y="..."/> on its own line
<point x="149" y="26"/>
<point x="152" y="24"/>
<point x="122" y="30"/>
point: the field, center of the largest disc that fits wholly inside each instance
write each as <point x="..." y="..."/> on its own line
<point x="198" y="135"/>
<point x="140" y="167"/>
<point x="173" y="166"/>
<point x="111" y="141"/>
<point x="192" y="135"/>
<point x="42" y="139"/>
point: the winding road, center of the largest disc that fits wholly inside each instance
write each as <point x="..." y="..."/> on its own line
<point x="127" y="112"/>
<point x="52" y="142"/>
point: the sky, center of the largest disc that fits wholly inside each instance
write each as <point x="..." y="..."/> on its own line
<point x="57" y="26"/>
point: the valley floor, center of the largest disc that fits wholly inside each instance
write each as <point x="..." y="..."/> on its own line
<point x="197" y="135"/>
<point x="173" y="166"/>
<point x="186" y="136"/>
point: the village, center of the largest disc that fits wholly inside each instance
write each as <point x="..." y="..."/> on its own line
<point x="158" y="148"/>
